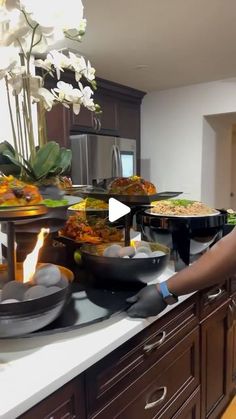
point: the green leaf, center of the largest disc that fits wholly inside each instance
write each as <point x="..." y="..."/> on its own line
<point x="26" y="167"/>
<point x="63" y="161"/>
<point x="5" y="146"/>
<point x="45" y="159"/>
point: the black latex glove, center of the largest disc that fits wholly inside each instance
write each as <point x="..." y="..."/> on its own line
<point x="147" y="302"/>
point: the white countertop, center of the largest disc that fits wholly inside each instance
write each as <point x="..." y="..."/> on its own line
<point x="33" y="368"/>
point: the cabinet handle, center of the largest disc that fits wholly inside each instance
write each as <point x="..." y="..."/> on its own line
<point x="151" y="346"/>
<point x="216" y="295"/>
<point x="150" y="405"/>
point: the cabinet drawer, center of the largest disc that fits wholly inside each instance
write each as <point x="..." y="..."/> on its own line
<point x="191" y="408"/>
<point x="66" y="403"/>
<point x="212" y="298"/>
<point x="163" y="388"/>
<point x="129" y="361"/>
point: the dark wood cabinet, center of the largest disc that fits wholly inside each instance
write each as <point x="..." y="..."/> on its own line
<point x="117" y="371"/>
<point x="120" y="115"/>
<point x="191" y="408"/>
<point x="163" y="388"/>
<point x="215" y="363"/>
<point x="183" y="366"/>
<point x="66" y="403"/>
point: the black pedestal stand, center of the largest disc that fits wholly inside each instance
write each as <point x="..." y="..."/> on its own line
<point x="9" y="215"/>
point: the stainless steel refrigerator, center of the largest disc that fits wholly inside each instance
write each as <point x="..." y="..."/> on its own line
<point x="97" y="157"/>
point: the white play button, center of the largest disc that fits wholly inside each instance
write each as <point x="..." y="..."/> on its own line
<point x="117" y="210"/>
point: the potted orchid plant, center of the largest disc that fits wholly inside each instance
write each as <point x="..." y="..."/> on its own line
<point x="29" y="31"/>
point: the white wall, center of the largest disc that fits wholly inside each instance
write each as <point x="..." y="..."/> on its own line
<point x="172" y="131"/>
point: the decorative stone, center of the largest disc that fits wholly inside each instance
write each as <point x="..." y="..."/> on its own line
<point x="144" y="249"/>
<point x="47" y="275"/>
<point x="127" y="251"/>
<point x="13" y="289"/>
<point x="112" y="251"/>
<point x="52" y="290"/>
<point x="36" y="291"/>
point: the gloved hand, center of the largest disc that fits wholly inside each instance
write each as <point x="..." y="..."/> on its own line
<point x="147" y="302"/>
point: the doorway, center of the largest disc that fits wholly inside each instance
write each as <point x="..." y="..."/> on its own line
<point x="218" y="185"/>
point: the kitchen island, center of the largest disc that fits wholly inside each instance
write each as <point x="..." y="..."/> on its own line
<point x="137" y="361"/>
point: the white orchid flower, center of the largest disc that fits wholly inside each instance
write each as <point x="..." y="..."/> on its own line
<point x="11" y="4"/>
<point x="16" y="83"/>
<point x="89" y="72"/>
<point x="50" y="14"/>
<point x="87" y="101"/>
<point x="44" y="64"/>
<point x="78" y="64"/>
<point x="65" y="91"/>
<point x="18" y="29"/>
<point x="8" y="60"/>
<point x="47" y="98"/>
<point x="16" y="79"/>
<point x="59" y="61"/>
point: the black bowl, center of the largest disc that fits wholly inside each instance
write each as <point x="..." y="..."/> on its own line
<point x="124" y="270"/>
<point x="17" y="319"/>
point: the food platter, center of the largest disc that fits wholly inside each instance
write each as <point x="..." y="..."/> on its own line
<point x="92" y="210"/>
<point x="150" y="212"/>
<point x="22" y="212"/>
<point x="98" y="193"/>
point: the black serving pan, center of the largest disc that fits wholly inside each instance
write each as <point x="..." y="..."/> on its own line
<point x="120" y="269"/>
<point x="18" y="319"/>
<point x="182" y="234"/>
<point x="99" y="193"/>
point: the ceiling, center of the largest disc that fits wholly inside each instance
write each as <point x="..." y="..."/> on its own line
<point x="159" y="44"/>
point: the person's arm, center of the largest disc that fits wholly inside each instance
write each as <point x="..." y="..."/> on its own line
<point x="216" y="265"/>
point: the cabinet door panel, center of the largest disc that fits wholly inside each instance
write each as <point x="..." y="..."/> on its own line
<point x="191" y="408"/>
<point x="163" y="388"/>
<point x="215" y="365"/>
<point x="65" y="403"/>
<point x="58" y="125"/>
<point x="119" y="369"/>
<point x="83" y="120"/>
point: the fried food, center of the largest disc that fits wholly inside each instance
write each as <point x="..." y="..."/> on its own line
<point x="14" y="192"/>
<point x="94" y="231"/>
<point x="90" y="204"/>
<point x="134" y="185"/>
<point x="182" y="207"/>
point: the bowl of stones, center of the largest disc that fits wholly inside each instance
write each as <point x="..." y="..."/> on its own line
<point x="27" y="307"/>
<point x="142" y="262"/>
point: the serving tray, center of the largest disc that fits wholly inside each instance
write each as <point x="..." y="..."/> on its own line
<point x="155" y="214"/>
<point x="98" y="193"/>
<point x="88" y="305"/>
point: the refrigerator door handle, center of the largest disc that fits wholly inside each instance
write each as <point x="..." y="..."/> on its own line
<point x="114" y="162"/>
<point x="119" y="163"/>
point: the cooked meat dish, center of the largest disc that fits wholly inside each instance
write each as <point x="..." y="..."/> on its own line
<point x="134" y="185"/>
<point x="94" y="231"/>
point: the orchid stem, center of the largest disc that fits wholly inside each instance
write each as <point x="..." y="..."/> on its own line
<point x="11" y="116"/>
